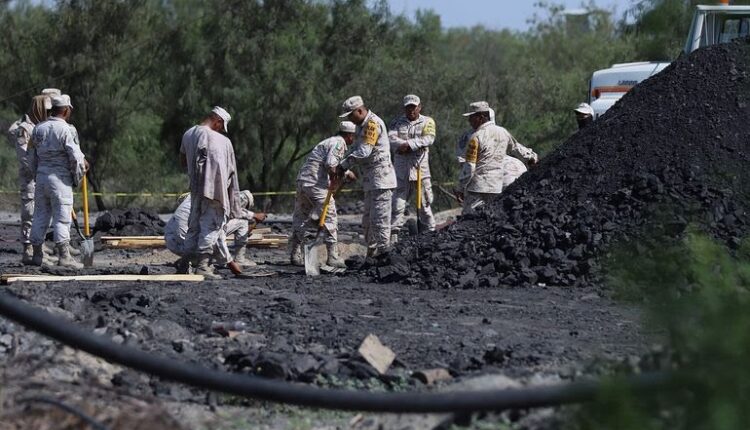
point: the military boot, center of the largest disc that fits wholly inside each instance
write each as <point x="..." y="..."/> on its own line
<point x="295" y="252"/>
<point x="183" y="265"/>
<point x="66" y="260"/>
<point x="204" y="268"/>
<point x="37" y="258"/>
<point x="240" y="257"/>
<point x="28" y="254"/>
<point x="333" y="256"/>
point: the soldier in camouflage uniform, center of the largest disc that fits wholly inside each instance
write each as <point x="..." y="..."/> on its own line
<point x="372" y="152"/>
<point x="482" y="175"/>
<point x="313" y="183"/>
<point x="411" y="136"/>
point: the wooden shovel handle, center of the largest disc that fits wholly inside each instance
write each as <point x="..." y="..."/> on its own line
<point x="86" y="229"/>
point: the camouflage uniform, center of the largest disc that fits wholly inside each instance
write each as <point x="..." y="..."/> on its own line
<point x="482" y="175"/>
<point x="312" y="187"/>
<point x="371" y="150"/>
<point x="19" y="136"/>
<point x="419" y="135"/>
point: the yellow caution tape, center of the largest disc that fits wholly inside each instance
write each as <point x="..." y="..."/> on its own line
<point x="175" y="195"/>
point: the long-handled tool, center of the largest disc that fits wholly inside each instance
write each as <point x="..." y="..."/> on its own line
<point x="312" y="250"/>
<point x="87" y="243"/>
<point x="419" y="203"/>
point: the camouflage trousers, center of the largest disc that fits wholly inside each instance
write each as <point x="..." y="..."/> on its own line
<point x="376" y="220"/>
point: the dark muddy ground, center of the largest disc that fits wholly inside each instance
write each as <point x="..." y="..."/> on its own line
<point x="301" y="330"/>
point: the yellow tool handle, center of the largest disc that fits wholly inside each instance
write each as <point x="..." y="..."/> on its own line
<point x="419" y="188"/>
<point x="324" y="213"/>
<point x="85" y="207"/>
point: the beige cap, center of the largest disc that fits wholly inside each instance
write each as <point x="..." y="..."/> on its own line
<point x="347" y="127"/>
<point x="62" y="101"/>
<point x="48" y="93"/>
<point x="51" y="92"/>
<point x="584" y="108"/>
<point x="246" y="199"/>
<point x="477" y="107"/>
<point x="350" y="105"/>
<point x="412" y="99"/>
<point x="223" y="114"/>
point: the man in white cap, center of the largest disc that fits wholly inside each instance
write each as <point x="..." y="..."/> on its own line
<point x="19" y="135"/>
<point x="58" y="165"/>
<point x="313" y="183"/>
<point x="584" y="115"/>
<point x="371" y="150"/>
<point x="177" y="227"/>
<point x="482" y="174"/>
<point x="214" y="188"/>
<point x="411" y="136"/>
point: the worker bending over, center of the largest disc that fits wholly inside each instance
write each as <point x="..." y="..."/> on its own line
<point x="313" y="183"/>
<point x="177" y="227"/>
<point x="482" y="175"/>
<point x="411" y="136"/>
<point x="58" y="165"/>
<point x="371" y="150"/>
<point x="214" y="189"/>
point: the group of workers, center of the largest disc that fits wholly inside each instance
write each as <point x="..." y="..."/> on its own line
<point x="393" y="167"/>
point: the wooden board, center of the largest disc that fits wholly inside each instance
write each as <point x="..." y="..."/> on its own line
<point x="256" y="240"/>
<point x="9" y="279"/>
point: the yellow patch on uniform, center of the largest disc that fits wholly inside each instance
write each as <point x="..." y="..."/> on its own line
<point x="372" y="132"/>
<point x="472" y="150"/>
<point x="429" y="128"/>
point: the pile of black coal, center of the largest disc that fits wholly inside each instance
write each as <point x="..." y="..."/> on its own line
<point x="130" y="222"/>
<point x="672" y="153"/>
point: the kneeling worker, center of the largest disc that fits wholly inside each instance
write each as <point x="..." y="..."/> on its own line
<point x="177" y="227"/>
<point x="313" y="182"/>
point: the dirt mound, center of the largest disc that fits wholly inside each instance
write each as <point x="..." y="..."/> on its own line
<point x="672" y="152"/>
<point x="130" y="222"/>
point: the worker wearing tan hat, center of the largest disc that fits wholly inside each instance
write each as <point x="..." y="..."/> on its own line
<point x="411" y="136"/>
<point x="19" y="135"/>
<point x="482" y="174"/>
<point x="313" y="182"/>
<point x="214" y="188"/>
<point x="584" y="115"/>
<point x="58" y="165"/>
<point x="372" y="152"/>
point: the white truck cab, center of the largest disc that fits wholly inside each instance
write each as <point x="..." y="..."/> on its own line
<point x="711" y="25"/>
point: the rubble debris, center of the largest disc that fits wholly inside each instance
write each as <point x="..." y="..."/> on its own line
<point x="130" y="222"/>
<point x="376" y="354"/>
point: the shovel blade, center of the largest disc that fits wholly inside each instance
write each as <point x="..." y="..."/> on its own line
<point x="87" y="252"/>
<point x="312" y="258"/>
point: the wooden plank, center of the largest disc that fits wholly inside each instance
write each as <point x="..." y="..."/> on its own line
<point x="104" y="278"/>
<point x="132" y="237"/>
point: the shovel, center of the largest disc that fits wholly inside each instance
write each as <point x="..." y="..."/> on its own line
<point x="87" y="243"/>
<point x="419" y="204"/>
<point x="312" y="250"/>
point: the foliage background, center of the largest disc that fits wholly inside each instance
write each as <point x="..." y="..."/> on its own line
<point x="141" y="72"/>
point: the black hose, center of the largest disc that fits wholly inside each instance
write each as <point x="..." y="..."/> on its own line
<point x="282" y="392"/>
<point x="94" y="424"/>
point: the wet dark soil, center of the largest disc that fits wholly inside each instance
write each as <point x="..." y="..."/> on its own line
<point x="308" y="330"/>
